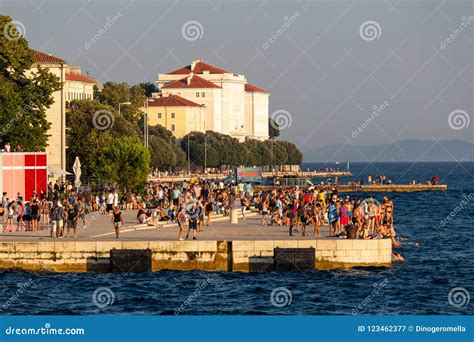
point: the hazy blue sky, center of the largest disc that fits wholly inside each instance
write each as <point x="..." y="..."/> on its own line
<point x="324" y="69"/>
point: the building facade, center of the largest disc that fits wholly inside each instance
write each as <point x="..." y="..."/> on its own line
<point x="176" y="114"/>
<point x="232" y="105"/>
<point x="75" y="86"/>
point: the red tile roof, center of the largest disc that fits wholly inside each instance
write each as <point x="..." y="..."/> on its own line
<point x="196" y="82"/>
<point x="41" y="57"/>
<point x="252" y="88"/>
<point x="79" y="78"/>
<point x="198" y="69"/>
<point x="172" y="101"/>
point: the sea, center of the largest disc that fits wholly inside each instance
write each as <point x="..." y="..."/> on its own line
<point x="436" y="277"/>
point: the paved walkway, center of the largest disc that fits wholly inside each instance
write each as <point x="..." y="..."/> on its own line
<point x="99" y="227"/>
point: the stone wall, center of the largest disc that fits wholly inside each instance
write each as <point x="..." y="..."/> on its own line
<point x="244" y="256"/>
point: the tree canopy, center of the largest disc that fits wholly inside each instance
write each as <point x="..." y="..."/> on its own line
<point x="24" y="95"/>
<point x="127" y="162"/>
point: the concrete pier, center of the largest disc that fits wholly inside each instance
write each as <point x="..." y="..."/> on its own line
<point x="243" y="247"/>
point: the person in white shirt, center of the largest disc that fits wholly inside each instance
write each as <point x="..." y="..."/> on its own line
<point x="110" y="202"/>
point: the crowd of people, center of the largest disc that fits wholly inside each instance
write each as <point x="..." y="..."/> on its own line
<point x="192" y="204"/>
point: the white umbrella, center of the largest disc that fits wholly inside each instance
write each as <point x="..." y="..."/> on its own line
<point x="76" y="168"/>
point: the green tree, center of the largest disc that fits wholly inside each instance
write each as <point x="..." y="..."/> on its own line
<point x="149" y="88"/>
<point x="273" y="128"/>
<point x="92" y="127"/>
<point x="113" y="94"/>
<point x="127" y="162"/>
<point x="23" y="99"/>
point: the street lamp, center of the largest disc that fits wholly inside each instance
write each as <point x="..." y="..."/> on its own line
<point x="124" y="103"/>
<point x="189" y="159"/>
<point x="145" y="123"/>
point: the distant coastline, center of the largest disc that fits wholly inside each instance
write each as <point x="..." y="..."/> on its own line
<point x="402" y="151"/>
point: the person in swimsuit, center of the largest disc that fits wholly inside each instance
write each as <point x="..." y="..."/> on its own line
<point x="316" y="213"/>
<point x="181" y="218"/>
<point x="388" y="215"/>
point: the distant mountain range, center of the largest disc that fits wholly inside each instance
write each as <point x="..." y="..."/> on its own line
<point x="405" y="150"/>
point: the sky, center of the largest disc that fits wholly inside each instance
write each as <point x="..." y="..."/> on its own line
<point x="351" y="72"/>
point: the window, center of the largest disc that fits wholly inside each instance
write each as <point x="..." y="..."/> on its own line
<point x="203" y="94"/>
<point x="173" y="128"/>
<point x="173" y="115"/>
<point x="159" y="115"/>
<point x="197" y="94"/>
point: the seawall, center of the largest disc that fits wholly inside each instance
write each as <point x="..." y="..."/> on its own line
<point x="226" y="256"/>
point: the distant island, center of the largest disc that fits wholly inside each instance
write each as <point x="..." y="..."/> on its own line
<point x="402" y="151"/>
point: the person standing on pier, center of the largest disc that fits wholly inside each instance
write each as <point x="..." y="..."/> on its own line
<point x="333" y="219"/>
<point x="117" y="220"/>
<point x="193" y="220"/>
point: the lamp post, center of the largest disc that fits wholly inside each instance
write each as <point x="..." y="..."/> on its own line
<point x="145" y="123"/>
<point x="123" y="103"/>
<point x="189" y="159"/>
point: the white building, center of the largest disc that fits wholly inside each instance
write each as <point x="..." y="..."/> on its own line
<point x="233" y="106"/>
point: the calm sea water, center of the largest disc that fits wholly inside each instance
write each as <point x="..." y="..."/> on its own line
<point x="436" y="278"/>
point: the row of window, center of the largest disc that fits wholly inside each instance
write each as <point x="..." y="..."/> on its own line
<point x="78" y="96"/>
<point x="173" y="115"/>
<point x="203" y="94"/>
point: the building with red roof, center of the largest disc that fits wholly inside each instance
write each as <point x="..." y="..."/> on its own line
<point x="175" y="113"/>
<point x="233" y="106"/>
